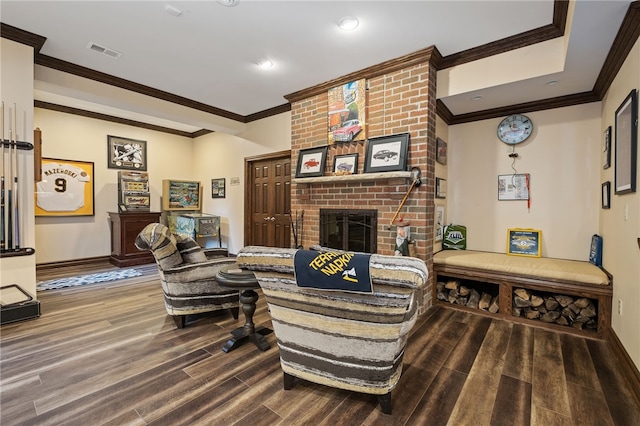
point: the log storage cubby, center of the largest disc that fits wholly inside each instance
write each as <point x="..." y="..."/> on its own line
<point x="563" y="295"/>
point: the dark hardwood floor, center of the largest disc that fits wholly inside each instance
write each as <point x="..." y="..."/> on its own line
<point x="107" y="354"/>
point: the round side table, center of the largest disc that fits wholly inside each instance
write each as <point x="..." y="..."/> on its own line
<point x="233" y="277"/>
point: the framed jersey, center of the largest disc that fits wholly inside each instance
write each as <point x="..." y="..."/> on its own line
<point x="66" y="188"/>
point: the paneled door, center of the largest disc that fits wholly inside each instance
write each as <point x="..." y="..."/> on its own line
<point x="268" y="200"/>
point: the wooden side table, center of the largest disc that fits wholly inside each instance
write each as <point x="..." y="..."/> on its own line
<point x="125" y="227"/>
<point x="233" y="277"/>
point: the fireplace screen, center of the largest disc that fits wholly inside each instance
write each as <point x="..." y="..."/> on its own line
<point x="351" y="230"/>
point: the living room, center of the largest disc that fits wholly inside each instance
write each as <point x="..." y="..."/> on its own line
<point x="563" y="159"/>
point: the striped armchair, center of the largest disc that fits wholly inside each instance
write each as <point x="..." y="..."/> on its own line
<point x="347" y="340"/>
<point x="188" y="278"/>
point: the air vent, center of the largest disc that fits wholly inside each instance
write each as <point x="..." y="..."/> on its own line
<point x="105" y="51"/>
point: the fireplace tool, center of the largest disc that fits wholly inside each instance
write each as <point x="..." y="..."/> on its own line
<point x="415" y="173"/>
<point x="295" y="224"/>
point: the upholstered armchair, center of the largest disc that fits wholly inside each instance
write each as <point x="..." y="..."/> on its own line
<point x="188" y="277"/>
<point x="348" y="340"/>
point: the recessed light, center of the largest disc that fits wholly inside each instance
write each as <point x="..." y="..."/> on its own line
<point x="228" y="3"/>
<point x="552" y="82"/>
<point x="265" y="64"/>
<point x="476" y="98"/>
<point x="348" y="23"/>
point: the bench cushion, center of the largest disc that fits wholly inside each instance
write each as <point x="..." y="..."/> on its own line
<point x="542" y="267"/>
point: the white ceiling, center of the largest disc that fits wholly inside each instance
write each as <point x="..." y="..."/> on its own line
<point x="208" y="54"/>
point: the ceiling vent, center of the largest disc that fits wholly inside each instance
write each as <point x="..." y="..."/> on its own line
<point x="104" y="50"/>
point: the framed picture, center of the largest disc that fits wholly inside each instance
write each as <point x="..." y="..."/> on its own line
<point x="606" y="148"/>
<point x="513" y="187"/>
<point x="626" y="144"/>
<point x="346" y="107"/>
<point x="387" y="153"/>
<point x="181" y="195"/>
<point x="441" y="188"/>
<point x="606" y="195"/>
<point x="218" y="188"/>
<point x="346" y="164"/>
<point x="441" y="151"/>
<point x="311" y="162"/>
<point x="127" y="154"/>
<point x="524" y="242"/>
<point x="66" y="188"/>
<point x="439" y="223"/>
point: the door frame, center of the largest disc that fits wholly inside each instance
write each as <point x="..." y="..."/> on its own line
<point x="248" y="186"/>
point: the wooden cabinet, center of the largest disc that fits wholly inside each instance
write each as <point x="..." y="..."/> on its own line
<point x="125" y="227"/>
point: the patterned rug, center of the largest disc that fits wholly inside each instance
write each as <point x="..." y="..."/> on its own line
<point x="87" y="279"/>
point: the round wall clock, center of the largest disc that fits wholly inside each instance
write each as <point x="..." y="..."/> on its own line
<point x="514" y="129"/>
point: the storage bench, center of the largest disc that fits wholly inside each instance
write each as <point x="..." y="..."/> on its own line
<point x="509" y="280"/>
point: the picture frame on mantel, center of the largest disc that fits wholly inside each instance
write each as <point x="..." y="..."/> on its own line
<point x="311" y="162"/>
<point x="387" y="153"/>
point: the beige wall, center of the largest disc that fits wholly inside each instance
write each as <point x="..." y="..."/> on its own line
<point x="16" y="84"/>
<point x="216" y="155"/>
<point x="562" y="157"/>
<point x="620" y="254"/>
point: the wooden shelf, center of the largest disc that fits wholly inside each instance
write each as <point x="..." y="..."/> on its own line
<point x="361" y="177"/>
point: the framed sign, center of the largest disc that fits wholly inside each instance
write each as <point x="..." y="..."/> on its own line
<point x="346" y="107"/>
<point x="311" y="162"/>
<point x="387" y="154"/>
<point x="524" y="242"/>
<point x="513" y="187"/>
<point x="181" y="195"/>
<point x="127" y="154"/>
<point x="626" y="144"/>
<point x="66" y="188"/>
<point x="218" y="188"/>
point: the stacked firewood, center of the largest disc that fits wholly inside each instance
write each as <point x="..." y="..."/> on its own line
<point x="579" y="313"/>
<point x="452" y="291"/>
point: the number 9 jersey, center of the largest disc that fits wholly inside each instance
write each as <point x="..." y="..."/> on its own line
<point x="61" y="188"/>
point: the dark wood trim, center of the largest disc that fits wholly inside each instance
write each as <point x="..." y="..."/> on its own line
<point x="625" y="363"/>
<point x="622" y="45"/>
<point x="201" y="132"/>
<point x="98" y="261"/>
<point x="111" y="118"/>
<point x="268" y="112"/>
<point x="21" y="36"/>
<point x="419" y="57"/>
<point x="443" y="112"/>
<point x="249" y="190"/>
<point x="80" y="71"/>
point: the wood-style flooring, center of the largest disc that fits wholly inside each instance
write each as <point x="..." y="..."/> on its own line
<point x="108" y="354"/>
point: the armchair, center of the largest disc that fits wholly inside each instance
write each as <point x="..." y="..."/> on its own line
<point x="347" y="340"/>
<point x="188" y="278"/>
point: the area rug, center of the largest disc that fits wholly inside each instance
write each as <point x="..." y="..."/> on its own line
<point x="87" y="279"/>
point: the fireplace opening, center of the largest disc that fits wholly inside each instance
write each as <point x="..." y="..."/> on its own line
<point x="350" y="230"/>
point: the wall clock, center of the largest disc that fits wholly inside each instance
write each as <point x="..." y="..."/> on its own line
<point x="514" y="129"/>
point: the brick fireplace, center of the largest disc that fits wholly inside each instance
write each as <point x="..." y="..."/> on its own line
<point x="400" y="98"/>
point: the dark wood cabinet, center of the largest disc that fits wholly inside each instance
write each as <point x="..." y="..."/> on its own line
<point x="125" y="227"/>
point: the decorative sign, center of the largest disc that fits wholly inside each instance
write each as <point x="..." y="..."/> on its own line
<point x="347" y="112"/>
<point x="524" y="242"/>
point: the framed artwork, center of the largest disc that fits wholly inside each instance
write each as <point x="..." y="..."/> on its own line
<point x="218" y="188"/>
<point x="311" y="162"/>
<point x="626" y="144"/>
<point x="606" y="195"/>
<point x="66" y="188"/>
<point x="441" y="151"/>
<point x="346" y="164"/>
<point x="181" y="195"/>
<point x="387" y="153"/>
<point x="346" y="112"/>
<point x="524" y="242"/>
<point x="127" y="154"/>
<point x="441" y="188"/>
<point x="513" y="187"/>
<point x="606" y="148"/>
<point x="439" y="223"/>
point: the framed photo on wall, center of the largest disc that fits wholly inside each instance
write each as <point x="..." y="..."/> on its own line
<point x="439" y="223"/>
<point x="311" y="162"/>
<point x="441" y="151"/>
<point x="441" y="188"/>
<point x="126" y="154"/>
<point x="626" y="144"/>
<point x="346" y="106"/>
<point x="606" y="195"/>
<point x="66" y="188"/>
<point x="218" y="188"/>
<point x="387" y="153"/>
<point x="606" y="148"/>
